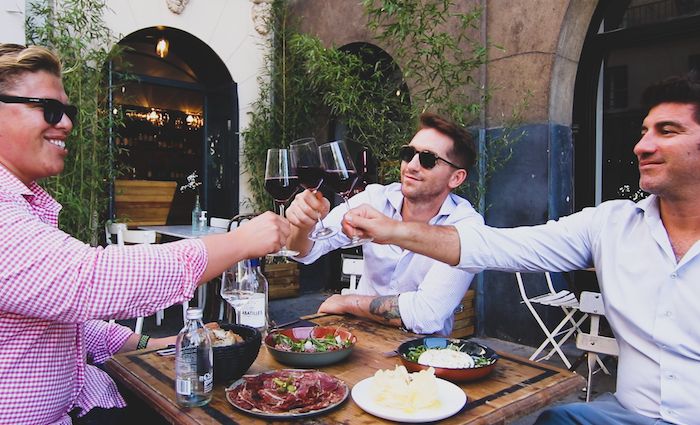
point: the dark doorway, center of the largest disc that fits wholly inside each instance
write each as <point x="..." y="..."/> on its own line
<point x="180" y="110"/>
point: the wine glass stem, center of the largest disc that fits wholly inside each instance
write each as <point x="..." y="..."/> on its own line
<point x="281" y="205"/>
<point x="354" y="238"/>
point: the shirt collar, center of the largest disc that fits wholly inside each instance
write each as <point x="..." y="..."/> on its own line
<point x="650" y="206"/>
<point x="395" y="198"/>
<point x="34" y="194"/>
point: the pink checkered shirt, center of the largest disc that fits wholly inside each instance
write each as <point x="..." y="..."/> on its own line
<point x="52" y="285"/>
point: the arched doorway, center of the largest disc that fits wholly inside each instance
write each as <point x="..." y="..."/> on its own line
<point x="629" y="45"/>
<point x="180" y="109"/>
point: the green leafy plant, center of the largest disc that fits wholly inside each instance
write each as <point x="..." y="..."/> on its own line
<point x="76" y="31"/>
<point x="307" y="87"/>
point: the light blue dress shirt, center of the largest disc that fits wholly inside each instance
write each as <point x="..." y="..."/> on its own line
<point x="651" y="301"/>
<point x="429" y="290"/>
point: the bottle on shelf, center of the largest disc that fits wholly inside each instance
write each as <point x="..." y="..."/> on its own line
<point x="194" y="373"/>
<point x="255" y="312"/>
<point x="196" y="214"/>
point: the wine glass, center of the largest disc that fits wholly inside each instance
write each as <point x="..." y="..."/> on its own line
<point x="306" y="162"/>
<point x="341" y="175"/>
<point x="236" y="290"/>
<point x="281" y="183"/>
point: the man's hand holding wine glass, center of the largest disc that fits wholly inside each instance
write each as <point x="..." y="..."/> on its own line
<point x="306" y="207"/>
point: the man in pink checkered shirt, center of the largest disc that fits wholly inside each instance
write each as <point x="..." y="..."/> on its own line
<point x="52" y="285"/>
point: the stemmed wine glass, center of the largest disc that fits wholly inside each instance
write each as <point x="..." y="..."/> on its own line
<point x="281" y="183"/>
<point x="341" y="175"/>
<point x="306" y="161"/>
<point x="236" y="290"/>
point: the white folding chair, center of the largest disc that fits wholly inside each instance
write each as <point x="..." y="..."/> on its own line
<point x="353" y="268"/>
<point x="222" y="223"/>
<point x="123" y="236"/>
<point x="592" y="342"/>
<point x="568" y="303"/>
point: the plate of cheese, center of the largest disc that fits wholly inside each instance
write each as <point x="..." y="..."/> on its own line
<point x="397" y="395"/>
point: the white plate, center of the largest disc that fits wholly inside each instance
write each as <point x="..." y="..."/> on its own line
<point x="452" y="399"/>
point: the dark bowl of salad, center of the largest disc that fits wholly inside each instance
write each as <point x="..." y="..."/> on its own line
<point x="453" y="359"/>
<point x="310" y="346"/>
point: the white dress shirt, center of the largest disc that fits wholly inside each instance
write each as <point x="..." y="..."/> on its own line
<point x="651" y="301"/>
<point x="429" y="290"/>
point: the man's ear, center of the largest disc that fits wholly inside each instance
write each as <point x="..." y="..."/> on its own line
<point x="457" y="178"/>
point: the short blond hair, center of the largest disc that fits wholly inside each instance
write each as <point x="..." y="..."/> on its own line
<point x="17" y="60"/>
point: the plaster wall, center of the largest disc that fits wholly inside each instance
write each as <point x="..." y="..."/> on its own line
<point x="12" y="21"/>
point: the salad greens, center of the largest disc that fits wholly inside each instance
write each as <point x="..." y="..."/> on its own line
<point x="310" y="344"/>
<point x="415" y="352"/>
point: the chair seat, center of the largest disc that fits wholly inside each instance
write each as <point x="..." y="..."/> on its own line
<point x="562" y="298"/>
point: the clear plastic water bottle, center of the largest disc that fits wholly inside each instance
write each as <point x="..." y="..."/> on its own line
<point x="194" y="373"/>
<point x="254" y="312"/>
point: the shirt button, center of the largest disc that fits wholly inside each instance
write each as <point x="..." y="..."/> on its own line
<point x="674" y="275"/>
<point x="671" y="377"/>
<point x="669" y="314"/>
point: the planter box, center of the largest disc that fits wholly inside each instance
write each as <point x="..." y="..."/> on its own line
<point x="283" y="280"/>
<point x="143" y="202"/>
<point x="465" y="320"/>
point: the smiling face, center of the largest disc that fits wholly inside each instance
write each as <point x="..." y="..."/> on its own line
<point x="426" y="185"/>
<point x="30" y="147"/>
<point x="669" y="152"/>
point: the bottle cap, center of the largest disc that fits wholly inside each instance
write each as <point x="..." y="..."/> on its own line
<point x="255" y="262"/>
<point x="194" y="313"/>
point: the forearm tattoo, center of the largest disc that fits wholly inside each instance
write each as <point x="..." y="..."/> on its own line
<point x="386" y="307"/>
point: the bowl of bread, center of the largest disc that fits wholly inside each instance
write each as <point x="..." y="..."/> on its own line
<point x="235" y="348"/>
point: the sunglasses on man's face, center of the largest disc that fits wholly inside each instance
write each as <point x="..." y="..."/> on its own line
<point x="53" y="109"/>
<point x="427" y="159"/>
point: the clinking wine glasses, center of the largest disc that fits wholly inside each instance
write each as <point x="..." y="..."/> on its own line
<point x="340" y="175"/>
<point x="307" y="164"/>
<point x="281" y="183"/>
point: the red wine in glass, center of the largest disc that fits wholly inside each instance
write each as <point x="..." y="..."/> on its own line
<point x="280" y="183"/>
<point x="341" y="181"/>
<point x="341" y="175"/>
<point x="305" y="159"/>
<point x="310" y="177"/>
<point x="281" y="189"/>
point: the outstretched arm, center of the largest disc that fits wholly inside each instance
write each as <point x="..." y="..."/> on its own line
<point x="438" y="242"/>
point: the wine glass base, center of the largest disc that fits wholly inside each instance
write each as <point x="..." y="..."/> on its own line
<point x="323" y="233"/>
<point x="284" y="252"/>
<point x="356" y="242"/>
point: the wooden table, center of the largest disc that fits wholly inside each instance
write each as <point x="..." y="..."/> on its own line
<point x="516" y="388"/>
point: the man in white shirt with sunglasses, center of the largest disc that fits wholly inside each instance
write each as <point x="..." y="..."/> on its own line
<point x="398" y="287"/>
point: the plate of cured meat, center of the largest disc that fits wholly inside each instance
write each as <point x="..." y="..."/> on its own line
<point x="287" y="393"/>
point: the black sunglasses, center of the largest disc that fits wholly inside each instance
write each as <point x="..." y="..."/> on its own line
<point x="53" y="109"/>
<point x="427" y="159"/>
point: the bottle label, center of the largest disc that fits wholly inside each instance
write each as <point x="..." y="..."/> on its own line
<point x="253" y="312"/>
<point x="208" y="380"/>
<point x="183" y="386"/>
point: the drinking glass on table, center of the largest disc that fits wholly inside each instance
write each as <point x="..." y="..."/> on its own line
<point x="340" y="175"/>
<point x="307" y="164"/>
<point x="281" y="183"/>
<point x="236" y="290"/>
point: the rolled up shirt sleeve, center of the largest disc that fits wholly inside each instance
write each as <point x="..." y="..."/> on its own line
<point x="104" y="339"/>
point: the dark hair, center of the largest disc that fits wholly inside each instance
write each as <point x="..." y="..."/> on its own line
<point x="463" y="151"/>
<point x="679" y="89"/>
<point x="17" y="60"/>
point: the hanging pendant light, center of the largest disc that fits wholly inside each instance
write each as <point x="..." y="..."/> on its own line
<point x="162" y="47"/>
